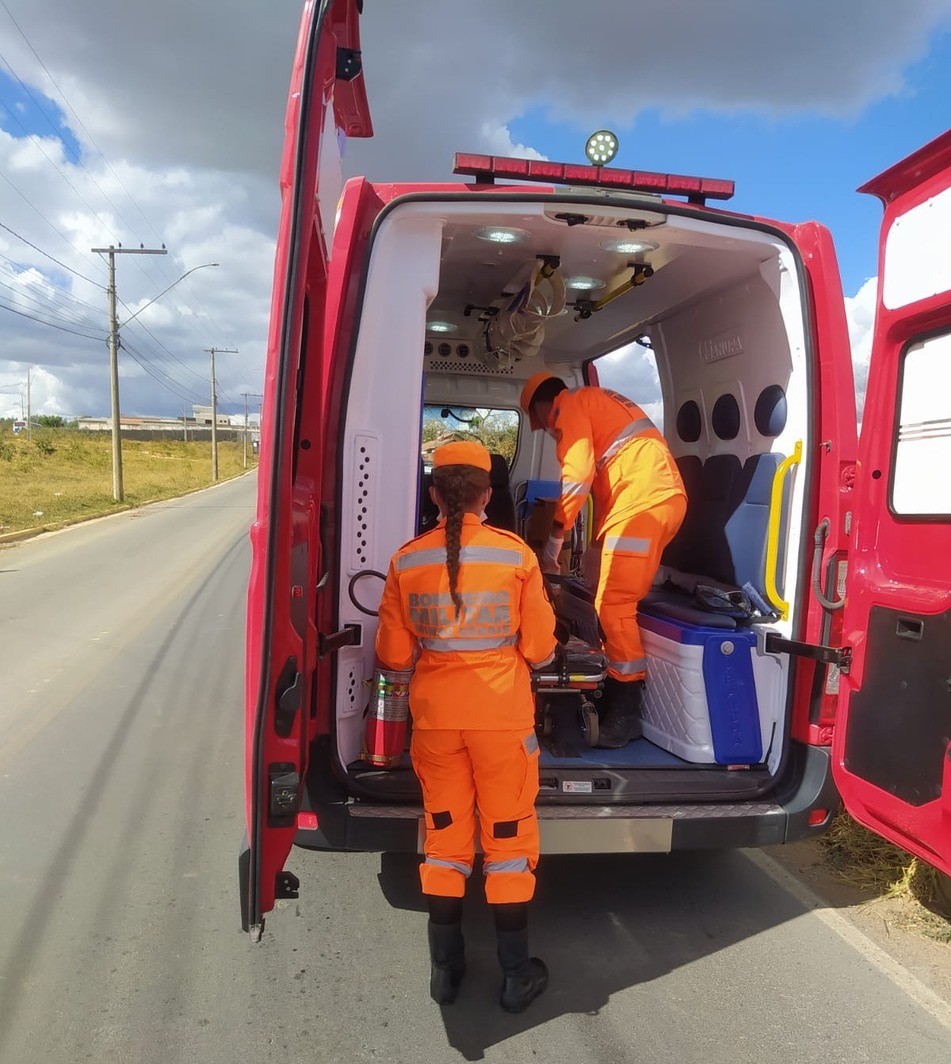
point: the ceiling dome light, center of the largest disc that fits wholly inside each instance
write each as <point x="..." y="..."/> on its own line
<point x="497" y="234"/>
<point x="440" y="326"/>
<point x="601" y="147"/>
<point x="584" y="284"/>
<point x="629" y="247"/>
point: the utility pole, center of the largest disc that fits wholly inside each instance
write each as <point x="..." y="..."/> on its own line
<point x="214" y="406"/>
<point x="29" y="409"/>
<point x="117" y="490"/>
<point x="185" y="422"/>
<point x="244" y="464"/>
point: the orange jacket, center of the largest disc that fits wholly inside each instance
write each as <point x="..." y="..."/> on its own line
<point x="608" y="444"/>
<point x="474" y="673"/>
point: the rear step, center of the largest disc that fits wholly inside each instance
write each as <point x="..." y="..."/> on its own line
<point x="626" y="829"/>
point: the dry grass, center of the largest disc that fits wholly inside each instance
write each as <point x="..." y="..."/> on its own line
<point x="859" y="857"/>
<point x="62" y="476"/>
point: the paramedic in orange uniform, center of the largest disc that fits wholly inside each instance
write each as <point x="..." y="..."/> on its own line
<point x="464" y="607"/>
<point x="607" y="445"/>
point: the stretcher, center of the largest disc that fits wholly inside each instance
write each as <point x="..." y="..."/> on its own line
<point x="574" y="682"/>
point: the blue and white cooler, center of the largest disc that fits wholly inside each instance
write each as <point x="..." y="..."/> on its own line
<point x="701" y="700"/>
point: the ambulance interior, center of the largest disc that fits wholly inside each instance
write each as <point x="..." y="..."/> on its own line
<point x="700" y="322"/>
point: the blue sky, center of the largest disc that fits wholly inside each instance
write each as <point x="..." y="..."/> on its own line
<point x="792" y="169"/>
<point x="25" y="110"/>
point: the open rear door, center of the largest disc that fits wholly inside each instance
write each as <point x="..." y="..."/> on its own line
<point x="892" y="748"/>
<point x="327" y="103"/>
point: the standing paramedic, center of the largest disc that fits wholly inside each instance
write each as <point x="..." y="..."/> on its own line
<point x="464" y="608"/>
<point x="608" y="445"/>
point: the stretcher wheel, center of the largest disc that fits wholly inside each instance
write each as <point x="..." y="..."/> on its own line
<point x="589" y="723"/>
<point x="546" y="725"/>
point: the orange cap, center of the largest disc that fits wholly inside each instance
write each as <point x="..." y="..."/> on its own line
<point x="528" y="393"/>
<point x="462" y="452"/>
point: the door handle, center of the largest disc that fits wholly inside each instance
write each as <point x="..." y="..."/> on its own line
<point x="910" y="628"/>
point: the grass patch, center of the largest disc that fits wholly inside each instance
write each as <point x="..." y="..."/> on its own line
<point x="859" y="857"/>
<point x="62" y="476"/>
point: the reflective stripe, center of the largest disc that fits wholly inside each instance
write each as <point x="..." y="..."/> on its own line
<point x="541" y="664"/>
<point x="465" y="869"/>
<point x="627" y="668"/>
<point x="635" y="428"/>
<point x="530" y="742"/>
<point x="627" y="544"/>
<point x="514" y="864"/>
<point x="442" y="646"/>
<point x="570" y="488"/>
<point x="467" y="556"/>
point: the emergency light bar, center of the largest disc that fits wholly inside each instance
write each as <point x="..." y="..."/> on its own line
<point x="486" y="168"/>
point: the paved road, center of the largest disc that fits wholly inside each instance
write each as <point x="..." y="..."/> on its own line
<point x="120" y="820"/>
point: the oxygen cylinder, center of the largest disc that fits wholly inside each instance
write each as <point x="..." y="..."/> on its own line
<point x="384" y="737"/>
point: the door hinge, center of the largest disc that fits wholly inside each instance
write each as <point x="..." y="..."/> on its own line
<point x="288" y="698"/>
<point x="283" y="793"/>
<point x="349" y="63"/>
<point x="350" y="636"/>
<point x="841" y="657"/>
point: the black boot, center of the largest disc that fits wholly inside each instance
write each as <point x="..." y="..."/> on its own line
<point x="447" y="952"/>
<point x="620" y="720"/>
<point x="523" y="977"/>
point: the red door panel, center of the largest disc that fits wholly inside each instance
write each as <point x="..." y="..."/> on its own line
<point x="893" y="738"/>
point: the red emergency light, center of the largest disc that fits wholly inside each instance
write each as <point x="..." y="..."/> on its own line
<point x="486" y="168"/>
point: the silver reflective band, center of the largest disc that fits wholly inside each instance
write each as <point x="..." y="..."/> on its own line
<point x="458" y="866"/>
<point x="570" y="488"/>
<point x="530" y="742"/>
<point x="627" y="544"/>
<point x="627" y="668"/>
<point x="467" y="556"/>
<point x="514" y="864"/>
<point x="635" y="428"/>
<point x="441" y="646"/>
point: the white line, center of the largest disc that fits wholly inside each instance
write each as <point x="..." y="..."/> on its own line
<point x="921" y="994"/>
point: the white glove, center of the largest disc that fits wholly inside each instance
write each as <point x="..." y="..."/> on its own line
<point x="550" y="554"/>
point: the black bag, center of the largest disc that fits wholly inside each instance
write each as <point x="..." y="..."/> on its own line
<point x="735" y="604"/>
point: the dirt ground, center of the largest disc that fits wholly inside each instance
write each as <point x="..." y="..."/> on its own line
<point x="900" y="926"/>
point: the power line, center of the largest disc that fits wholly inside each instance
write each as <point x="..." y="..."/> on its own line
<point x="47" y="255"/>
<point x="36" y="305"/>
<point x="62" y="328"/>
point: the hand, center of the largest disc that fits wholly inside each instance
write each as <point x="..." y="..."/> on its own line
<point x="549" y="561"/>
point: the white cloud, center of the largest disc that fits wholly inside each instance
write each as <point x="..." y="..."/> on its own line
<point x="187" y="101"/>
<point x="860" y="315"/>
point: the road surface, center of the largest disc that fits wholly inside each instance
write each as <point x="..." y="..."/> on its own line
<point x="121" y="780"/>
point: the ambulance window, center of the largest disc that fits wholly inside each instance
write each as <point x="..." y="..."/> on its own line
<point x="769" y="415"/>
<point x="923" y="434"/>
<point x="689" y="422"/>
<point x="726" y="417"/>
<point x="632" y="371"/>
<point x="495" y="428"/>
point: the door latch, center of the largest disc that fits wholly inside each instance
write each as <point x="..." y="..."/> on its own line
<point x="841" y="657"/>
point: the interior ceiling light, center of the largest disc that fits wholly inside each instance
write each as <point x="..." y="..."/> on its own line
<point x="629" y="247"/>
<point x="584" y="284"/>
<point x="497" y="234"/>
<point x="440" y="326"/>
<point x="601" y="147"/>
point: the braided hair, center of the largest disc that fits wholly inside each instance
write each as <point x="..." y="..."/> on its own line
<point x="458" y="488"/>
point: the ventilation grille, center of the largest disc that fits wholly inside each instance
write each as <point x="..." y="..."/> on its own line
<point x="476" y="368"/>
<point x="351" y="702"/>
<point x="365" y="461"/>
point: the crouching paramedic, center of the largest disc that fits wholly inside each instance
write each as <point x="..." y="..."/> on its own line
<point x="464" y="608"/>
<point x="607" y="445"/>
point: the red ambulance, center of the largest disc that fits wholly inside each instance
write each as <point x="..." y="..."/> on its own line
<point x="397" y="307"/>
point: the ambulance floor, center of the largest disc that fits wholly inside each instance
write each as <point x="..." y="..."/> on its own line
<point x="639" y="754"/>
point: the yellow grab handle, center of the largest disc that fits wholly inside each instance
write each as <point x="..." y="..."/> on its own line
<point x="774" y="529"/>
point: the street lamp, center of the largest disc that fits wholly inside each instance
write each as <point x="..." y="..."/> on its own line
<point x="122" y="324"/>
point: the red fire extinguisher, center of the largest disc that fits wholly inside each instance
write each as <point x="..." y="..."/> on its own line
<point x="384" y="737"/>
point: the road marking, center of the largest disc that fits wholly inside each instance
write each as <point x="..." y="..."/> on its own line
<point x="922" y="995"/>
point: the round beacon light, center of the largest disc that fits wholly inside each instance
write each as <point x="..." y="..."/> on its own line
<point x="601" y="147"/>
<point x="440" y="327"/>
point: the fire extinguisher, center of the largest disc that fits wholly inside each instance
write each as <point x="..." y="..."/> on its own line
<point x="384" y="737"/>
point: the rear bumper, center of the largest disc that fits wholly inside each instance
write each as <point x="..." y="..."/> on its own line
<point x="654" y="828"/>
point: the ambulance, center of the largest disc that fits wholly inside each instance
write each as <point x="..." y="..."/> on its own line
<point x="400" y="306"/>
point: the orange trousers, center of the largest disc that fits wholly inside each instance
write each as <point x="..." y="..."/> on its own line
<point x="496" y="772"/>
<point x="630" y="557"/>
